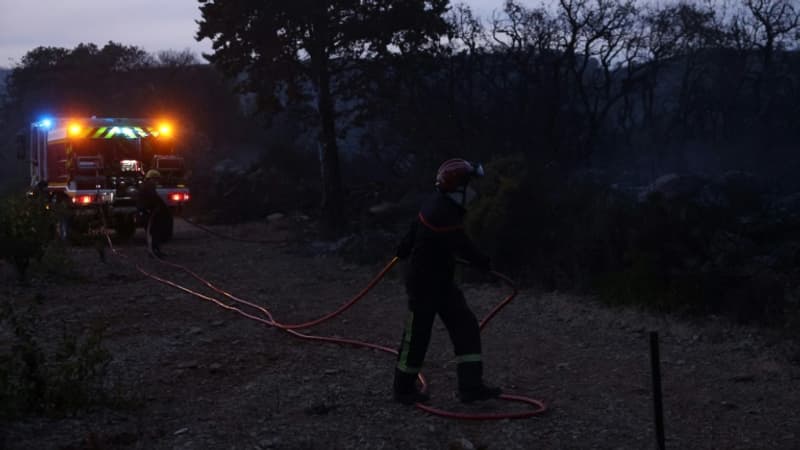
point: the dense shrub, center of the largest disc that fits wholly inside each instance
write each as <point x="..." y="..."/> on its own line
<point x="37" y="380"/>
<point x="690" y="254"/>
<point x="494" y="220"/>
<point x="555" y="229"/>
<point x="689" y="244"/>
<point x="284" y="178"/>
<point x="27" y="227"/>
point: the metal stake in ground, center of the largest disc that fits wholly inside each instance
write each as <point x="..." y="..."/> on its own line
<point x="657" y="404"/>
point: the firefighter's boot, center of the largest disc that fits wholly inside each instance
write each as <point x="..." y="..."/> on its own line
<point x="471" y="387"/>
<point x="405" y="389"/>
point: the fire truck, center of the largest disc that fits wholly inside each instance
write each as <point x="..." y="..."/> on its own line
<point x="91" y="168"/>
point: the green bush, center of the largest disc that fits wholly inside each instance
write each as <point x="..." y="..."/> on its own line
<point x="491" y="220"/>
<point x="540" y="223"/>
<point x="575" y="231"/>
<point x="36" y="381"/>
<point x="27" y="227"/>
<point x="57" y="265"/>
<point x="639" y="282"/>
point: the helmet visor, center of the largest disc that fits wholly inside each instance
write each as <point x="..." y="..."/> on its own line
<point x="479" y="172"/>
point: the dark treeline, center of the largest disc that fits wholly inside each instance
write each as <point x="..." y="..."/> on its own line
<point x="599" y="82"/>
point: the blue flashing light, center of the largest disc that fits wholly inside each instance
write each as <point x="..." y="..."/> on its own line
<point x="45" y="123"/>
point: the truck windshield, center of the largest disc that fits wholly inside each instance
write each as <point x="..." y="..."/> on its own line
<point x="113" y="151"/>
<point x="108" y="149"/>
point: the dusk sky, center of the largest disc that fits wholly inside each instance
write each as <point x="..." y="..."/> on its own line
<point x="151" y="24"/>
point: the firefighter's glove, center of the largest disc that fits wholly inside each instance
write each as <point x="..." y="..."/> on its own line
<point x="404" y="249"/>
<point x="407" y="244"/>
<point x="482" y="263"/>
<point x="140" y="218"/>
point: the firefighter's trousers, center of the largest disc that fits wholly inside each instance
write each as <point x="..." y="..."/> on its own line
<point x="157" y="228"/>
<point x="461" y="324"/>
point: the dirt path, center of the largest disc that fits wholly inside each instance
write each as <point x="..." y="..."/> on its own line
<point x="209" y="379"/>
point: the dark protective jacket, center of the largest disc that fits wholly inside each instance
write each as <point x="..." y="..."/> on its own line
<point x="155" y="211"/>
<point x="147" y="198"/>
<point x="434" y="241"/>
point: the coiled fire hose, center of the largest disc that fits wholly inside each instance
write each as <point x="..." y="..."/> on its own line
<point x="538" y="407"/>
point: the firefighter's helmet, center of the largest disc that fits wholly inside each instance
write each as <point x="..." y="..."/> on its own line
<point x="152" y="173"/>
<point x="456" y="173"/>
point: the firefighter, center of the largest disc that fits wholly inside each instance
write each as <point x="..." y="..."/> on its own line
<point x="155" y="211"/>
<point x="435" y="239"/>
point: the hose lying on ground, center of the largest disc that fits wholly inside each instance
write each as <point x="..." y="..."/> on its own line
<point x="538" y="406"/>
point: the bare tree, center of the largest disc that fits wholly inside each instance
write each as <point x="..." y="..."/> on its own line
<point x="770" y="28"/>
<point x="467" y="33"/>
<point x="598" y="39"/>
<point x="679" y="39"/>
<point x="177" y="58"/>
<point x="773" y="25"/>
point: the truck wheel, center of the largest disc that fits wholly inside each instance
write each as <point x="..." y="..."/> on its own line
<point x="125" y="227"/>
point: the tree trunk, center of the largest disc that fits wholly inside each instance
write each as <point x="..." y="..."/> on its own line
<point x="332" y="198"/>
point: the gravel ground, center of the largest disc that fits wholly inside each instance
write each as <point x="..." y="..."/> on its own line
<point x="207" y="378"/>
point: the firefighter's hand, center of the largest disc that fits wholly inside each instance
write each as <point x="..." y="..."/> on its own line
<point x="141" y="218"/>
<point x="404" y="249"/>
<point x="482" y="263"/>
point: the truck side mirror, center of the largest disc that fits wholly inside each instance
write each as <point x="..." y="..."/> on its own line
<point x="21" y="147"/>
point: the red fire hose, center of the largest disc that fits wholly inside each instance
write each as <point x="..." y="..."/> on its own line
<point x="538" y="406"/>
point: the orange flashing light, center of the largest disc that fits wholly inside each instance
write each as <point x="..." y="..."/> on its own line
<point x="164" y="129"/>
<point x="75" y="129"/>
